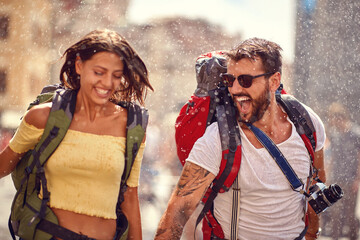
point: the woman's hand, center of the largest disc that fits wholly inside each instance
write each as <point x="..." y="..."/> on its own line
<point x="131" y="209"/>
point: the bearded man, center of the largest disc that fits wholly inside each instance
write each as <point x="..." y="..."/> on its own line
<point x="269" y="207"/>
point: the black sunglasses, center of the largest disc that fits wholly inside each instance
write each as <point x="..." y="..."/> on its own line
<point x="244" y="80"/>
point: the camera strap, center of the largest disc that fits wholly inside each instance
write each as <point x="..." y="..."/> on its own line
<point x="279" y="158"/>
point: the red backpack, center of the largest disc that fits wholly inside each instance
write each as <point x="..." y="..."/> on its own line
<point x="212" y="102"/>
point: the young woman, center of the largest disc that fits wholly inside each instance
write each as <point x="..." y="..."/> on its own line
<point x="84" y="173"/>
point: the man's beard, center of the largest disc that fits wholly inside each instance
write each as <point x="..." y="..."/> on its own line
<point x="260" y="105"/>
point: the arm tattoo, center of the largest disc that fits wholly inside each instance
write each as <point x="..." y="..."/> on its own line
<point x="161" y="232"/>
<point x="192" y="178"/>
<point x="174" y="231"/>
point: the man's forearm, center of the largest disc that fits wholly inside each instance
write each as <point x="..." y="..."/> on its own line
<point x="171" y="227"/>
<point x="314" y="224"/>
<point x="192" y="185"/>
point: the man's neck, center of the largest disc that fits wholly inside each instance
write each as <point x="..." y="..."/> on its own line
<point x="274" y="123"/>
<point x="273" y="116"/>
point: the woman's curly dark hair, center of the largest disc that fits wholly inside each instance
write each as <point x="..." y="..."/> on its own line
<point x="136" y="80"/>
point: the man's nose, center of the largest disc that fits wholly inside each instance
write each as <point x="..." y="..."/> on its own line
<point x="236" y="87"/>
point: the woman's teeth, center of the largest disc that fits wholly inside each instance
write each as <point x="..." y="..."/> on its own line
<point x="102" y="91"/>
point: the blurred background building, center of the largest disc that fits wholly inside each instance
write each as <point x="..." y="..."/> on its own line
<point x="35" y="33"/>
<point x="326" y="70"/>
<point x="327" y="54"/>
<point x="25" y="37"/>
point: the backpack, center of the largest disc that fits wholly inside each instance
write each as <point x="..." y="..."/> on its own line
<point x="30" y="217"/>
<point x="211" y="102"/>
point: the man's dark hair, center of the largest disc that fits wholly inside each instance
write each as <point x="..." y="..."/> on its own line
<point x="267" y="51"/>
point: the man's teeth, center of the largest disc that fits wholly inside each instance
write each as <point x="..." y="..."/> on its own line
<point x="242" y="98"/>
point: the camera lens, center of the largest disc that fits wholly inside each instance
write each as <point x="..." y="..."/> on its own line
<point x="333" y="193"/>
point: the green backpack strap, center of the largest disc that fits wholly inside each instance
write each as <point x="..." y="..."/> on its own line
<point x="46" y="95"/>
<point x="60" y="117"/>
<point x="27" y="209"/>
<point x="137" y="120"/>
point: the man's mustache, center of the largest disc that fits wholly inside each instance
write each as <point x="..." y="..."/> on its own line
<point x="241" y="95"/>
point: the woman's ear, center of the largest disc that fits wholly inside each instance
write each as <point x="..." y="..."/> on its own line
<point x="275" y="81"/>
<point x="78" y="65"/>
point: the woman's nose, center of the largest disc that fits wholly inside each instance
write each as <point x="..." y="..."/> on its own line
<point x="107" y="80"/>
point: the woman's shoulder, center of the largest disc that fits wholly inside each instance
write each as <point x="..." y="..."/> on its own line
<point x="38" y="115"/>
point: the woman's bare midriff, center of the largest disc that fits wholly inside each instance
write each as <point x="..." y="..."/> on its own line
<point x="93" y="227"/>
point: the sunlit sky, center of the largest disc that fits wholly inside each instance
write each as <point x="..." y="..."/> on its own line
<point x="270" y="19"/>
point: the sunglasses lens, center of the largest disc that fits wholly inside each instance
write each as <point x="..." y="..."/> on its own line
<point x="246" y="81"/>
<point x="228" y="79"/>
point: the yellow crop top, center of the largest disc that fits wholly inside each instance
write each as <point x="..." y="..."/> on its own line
<point x="84" y="173"/>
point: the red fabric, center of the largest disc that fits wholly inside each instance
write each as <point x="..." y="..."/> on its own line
<point x="190" y="125"/>
<point x="206" y="195"/>
<point x="191" y="122"/>
<point x="206" y="229"/>
<point x="234" y="170"/>
<point x="308" y="145"/>
<point x="210" y="54"/>
<point x="211" y="225"/>
<point x="306" y="218"/>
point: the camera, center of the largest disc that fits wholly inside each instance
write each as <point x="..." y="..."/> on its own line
<point x="321" y="197"/>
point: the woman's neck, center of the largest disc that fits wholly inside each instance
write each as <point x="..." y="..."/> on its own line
<point x="90" y="110"/>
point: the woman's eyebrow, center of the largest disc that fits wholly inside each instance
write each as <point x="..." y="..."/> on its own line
<point x="118" y="70"/>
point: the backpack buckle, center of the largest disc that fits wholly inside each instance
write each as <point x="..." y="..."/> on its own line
<point x="54" y="131"/>
<point x="28" y="170"/>
<point x="189" y="104"/>
<point x="33" y="219"/>
<point x="302" y="121"/>
<point x="232" y="142"/>
<point x="40" y="171"/>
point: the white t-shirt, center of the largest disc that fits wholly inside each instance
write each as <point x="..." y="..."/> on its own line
<point x="269" y="208"/>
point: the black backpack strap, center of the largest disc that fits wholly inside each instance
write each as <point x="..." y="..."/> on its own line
<point x="230" y="139"/>
<point x="301" y="119"/>
<point x="229" y="135"/>
<point x="60" y="232"/>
